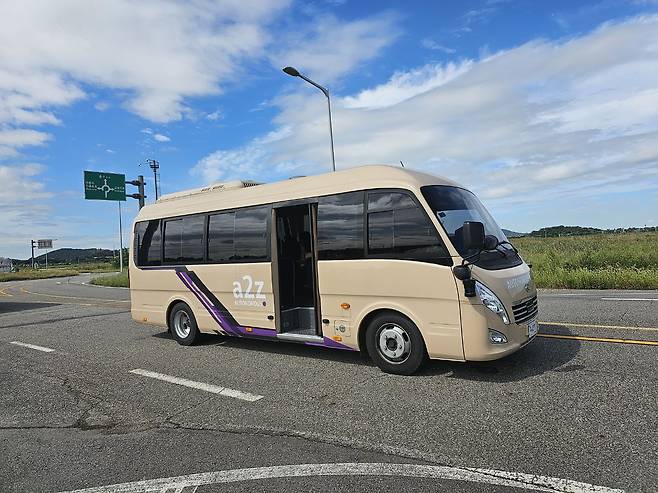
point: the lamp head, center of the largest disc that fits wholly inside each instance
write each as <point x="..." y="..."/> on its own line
<point x="292" y="71"/>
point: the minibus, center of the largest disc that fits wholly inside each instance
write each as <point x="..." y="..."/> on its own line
<point x="397" y="263"/>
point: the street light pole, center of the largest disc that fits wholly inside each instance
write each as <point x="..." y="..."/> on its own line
<point x="293" y="72"/>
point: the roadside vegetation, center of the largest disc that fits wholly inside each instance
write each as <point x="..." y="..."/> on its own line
<point x="600" y="261"/>
<point x="114" y="280"/>
<point x="59" y="270"/>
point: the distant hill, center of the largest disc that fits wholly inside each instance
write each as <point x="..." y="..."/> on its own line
<point x="513" y="234"/>
<point x="73" y="255"/>
<point x="583" y="230"/>
<point x="565" y="231"/>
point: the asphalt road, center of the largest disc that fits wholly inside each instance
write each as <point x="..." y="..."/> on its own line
<point x="81" y="407"/>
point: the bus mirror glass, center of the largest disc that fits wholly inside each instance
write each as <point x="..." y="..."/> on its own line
<point x="473" y="235"/>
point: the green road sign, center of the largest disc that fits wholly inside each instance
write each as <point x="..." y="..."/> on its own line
<point x="104" y="186"/>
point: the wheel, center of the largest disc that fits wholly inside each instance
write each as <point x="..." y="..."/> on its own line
<point x="395" y="344"/>
<point x="182" y="324"/>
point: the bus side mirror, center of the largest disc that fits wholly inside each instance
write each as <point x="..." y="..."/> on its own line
<point x="473" y="236"/>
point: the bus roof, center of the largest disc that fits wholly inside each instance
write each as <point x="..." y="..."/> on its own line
<point x="359" y="178"/>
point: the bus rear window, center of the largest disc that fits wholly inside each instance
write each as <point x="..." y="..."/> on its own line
<point x="147" y="243"/>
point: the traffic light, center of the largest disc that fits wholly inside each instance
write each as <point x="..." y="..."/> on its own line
<point x="140" y="184"/>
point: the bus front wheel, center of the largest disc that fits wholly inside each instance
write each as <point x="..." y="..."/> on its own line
<point x="395" y="344"/>
<point x="182" y="325"/>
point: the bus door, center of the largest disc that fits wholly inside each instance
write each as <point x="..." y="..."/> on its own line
<point x="295" y="269"/>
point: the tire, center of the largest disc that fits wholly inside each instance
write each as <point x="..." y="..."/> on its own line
<point x="182" y="325"/>
<point x="395" y="344"/>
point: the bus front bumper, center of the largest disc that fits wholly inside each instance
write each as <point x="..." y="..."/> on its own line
<point x="477" y="321"/>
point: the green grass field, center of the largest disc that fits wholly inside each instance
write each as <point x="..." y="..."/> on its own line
<point x="607" y="261"/>
<point x="115" y="280"/>
<point x="26" y="273"/>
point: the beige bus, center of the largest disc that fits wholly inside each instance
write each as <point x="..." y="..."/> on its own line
<point x="401" y="264"/>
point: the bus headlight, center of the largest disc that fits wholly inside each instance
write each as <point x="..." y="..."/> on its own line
<point x="491" y="301"/>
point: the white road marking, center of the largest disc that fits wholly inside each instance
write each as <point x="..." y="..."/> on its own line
<point x="488" y="476"/>
<point x="215" y="389"/>
<point x="32" y="346"/>
<point x="629" y="299"/>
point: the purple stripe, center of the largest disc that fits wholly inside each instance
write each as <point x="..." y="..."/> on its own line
<point x="211" y="309"/>
<point x="258" y="332"/>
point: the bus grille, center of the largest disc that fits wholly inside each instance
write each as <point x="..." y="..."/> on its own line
<point x="525" y="310"/>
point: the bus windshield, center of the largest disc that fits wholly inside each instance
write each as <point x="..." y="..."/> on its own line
<point x="452" y="206"/>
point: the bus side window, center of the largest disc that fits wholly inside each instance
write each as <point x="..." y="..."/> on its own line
<point x="147" y="243"/>
<point x="221" y="229"/>
<point x="399" y="229"/>
<point x="251" y="238"/>
<point x="340" y="226"/>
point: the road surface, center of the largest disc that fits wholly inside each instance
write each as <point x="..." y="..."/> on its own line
<point x="88" y="398"/>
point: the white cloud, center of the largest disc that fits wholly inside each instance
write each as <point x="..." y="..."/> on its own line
<point x="329" y="48"/>
<point x="12" y="139"/>
<point x="214" y="116"/>
<point x="161" y="138"/>
<point x="430" y="44"/>
<point x="160" y="51"/>
<point x="147" y="131"/>
<point x="154" y="54"/>
<point x="405" y="85"/>
<point x="21" y="183"/>
<point x="548" y="120"/>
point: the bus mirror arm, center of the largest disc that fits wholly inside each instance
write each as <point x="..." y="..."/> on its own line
<point x="463" y="273"/>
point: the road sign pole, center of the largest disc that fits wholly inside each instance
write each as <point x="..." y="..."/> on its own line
<point x="120" y="241"/>
<point x="46" y="259"/>
<point x="32" y="245"/>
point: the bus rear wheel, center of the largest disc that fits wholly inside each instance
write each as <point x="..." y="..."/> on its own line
<point x="182" y="325"/>
<point x="395" y="344"/>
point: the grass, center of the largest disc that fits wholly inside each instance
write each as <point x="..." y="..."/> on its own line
<point x="28" y="274"/>
<point x="115" y="280"/>
<point x="607" y="261"/>
<point x="63" y="270"/>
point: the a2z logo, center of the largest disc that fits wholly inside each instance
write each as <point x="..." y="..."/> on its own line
<point x="247" y="292"/>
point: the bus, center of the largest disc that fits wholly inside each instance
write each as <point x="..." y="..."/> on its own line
<point x="403" y="265"/>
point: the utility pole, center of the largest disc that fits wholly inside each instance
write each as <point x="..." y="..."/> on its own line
<point x="120" y="240"/>
<point x="155" y="166"/>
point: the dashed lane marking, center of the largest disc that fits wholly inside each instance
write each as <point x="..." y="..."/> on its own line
<point x="600" y="339"/>
<point x="506" y="479"/>
<point x="32" y="346"/>
<point x="206" y="387"/>
<point x="595" y="326"/>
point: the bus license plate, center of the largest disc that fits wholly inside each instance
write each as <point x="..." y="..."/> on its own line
<point x="533" y="327"/>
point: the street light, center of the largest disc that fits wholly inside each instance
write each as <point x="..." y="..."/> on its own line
<point x="293" y="72"/>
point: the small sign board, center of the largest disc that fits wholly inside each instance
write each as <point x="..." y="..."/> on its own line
<point x="105" y="186"/>
<point x="44" y="244"/>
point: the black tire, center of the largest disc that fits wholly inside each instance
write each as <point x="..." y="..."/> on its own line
<point x="404" y="338"/>
<point x="182" y="325"/>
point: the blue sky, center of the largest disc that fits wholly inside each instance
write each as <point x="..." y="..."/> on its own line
<point x="547" y="110"/>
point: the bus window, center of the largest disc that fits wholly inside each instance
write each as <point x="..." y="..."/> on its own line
<point x="183" y="240"/>
<point x="340" y="226"/>
<point x="220" y="237"/>
<point x="192" y="238"/>
<point x="399" y="229"/>
<point x="173" y="231"/>
<point x="251" y="237"/>
<point x="147" y="243"/>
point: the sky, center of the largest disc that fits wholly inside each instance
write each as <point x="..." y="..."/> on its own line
<point x="547" y="110"/>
